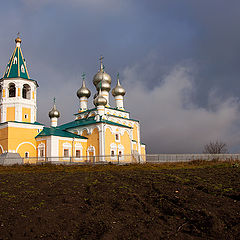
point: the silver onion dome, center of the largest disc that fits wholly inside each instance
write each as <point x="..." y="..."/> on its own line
<point x="104" y="85"/>
<point x="101" y="75"/>
<point x="100" y="100"/>
<point x="83" y="91"/>
<point x="118" y="90"/>
<point x="54" y="113"/>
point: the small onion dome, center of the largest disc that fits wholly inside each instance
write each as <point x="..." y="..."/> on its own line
<point x="18" y="40"/>
<point x="100" y="100"/>
<point x="104" y="85"/>
<point x="83" y="91"/>
<point x="54" y="113"/>
<point x="101" y="76"/>
<point x="118" y="90"/>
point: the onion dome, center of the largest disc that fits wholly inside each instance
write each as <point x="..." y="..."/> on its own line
<point x="100" y="100"/>
<point x="54" y="113"/>
<point x="104" y="85"/>
<point x="101" y="75"/>
<point x="83" y="91"/>
<point x="118" y="90"/>
<point x="18" y="40"/>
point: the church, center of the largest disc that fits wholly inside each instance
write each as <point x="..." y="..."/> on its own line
<point x="103" y="133"/>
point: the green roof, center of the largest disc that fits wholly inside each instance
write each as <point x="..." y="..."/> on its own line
<point x="117" y="109"/>
<point x="57" y="132"/>
<point x="123" y="117"/>
<point x="88" y="121"/>
<point x="89" y="110"/>
<point x="16" y="67"/>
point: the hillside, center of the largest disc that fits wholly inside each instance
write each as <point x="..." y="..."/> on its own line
<point x="176" y="201"/>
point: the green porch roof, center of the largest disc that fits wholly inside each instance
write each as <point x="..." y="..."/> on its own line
<point x="52" y="131"/>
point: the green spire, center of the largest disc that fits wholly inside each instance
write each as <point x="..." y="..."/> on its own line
<point x="16" y="67"/>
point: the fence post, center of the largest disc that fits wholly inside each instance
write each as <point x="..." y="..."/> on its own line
<point x="118" y="159"/>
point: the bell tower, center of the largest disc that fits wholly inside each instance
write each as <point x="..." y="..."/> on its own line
<point x="18" y="92"/>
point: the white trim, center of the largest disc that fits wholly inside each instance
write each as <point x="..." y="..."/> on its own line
<point x="113" y="147"/>
<point x="90" y="149"/>
<point x="21" y="125"/>
<point x="25" y="143"/>
<point x="2" y="148"/>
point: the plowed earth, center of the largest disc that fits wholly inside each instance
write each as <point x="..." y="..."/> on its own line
<point x="191" y="201"/>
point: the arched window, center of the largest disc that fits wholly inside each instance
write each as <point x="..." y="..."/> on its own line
<point x="26" y="91"/>
<point x="12" y="90"/>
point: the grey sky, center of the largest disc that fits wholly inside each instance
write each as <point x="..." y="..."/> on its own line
<point x="178" y="60"/>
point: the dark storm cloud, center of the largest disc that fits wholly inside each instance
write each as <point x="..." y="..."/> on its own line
<point x="146" y="41"/>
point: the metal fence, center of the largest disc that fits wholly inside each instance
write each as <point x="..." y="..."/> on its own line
<point x="106" y="159"/>
<point x="160" y="158"/>
<point x="122" y="159"/>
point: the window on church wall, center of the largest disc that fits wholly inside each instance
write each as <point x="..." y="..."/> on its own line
<point x="78" y="153"/>
<point x="112" y="153"/>
<point x="26" y="154"/>
<point x="26" y="91"/>
<point x="66" y="152"/>
<point x="120" y="153"/>
<point x="12" y="90"/>
<point x="41" y="153"/>
<point x="117" y="137"/>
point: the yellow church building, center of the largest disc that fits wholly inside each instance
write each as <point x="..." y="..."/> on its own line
<point x="103" y="133"/>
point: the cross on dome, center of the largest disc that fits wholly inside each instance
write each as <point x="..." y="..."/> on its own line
<point x="83" y="75"/>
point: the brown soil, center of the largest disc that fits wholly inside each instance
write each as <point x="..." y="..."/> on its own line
<point x="188" y="201"/>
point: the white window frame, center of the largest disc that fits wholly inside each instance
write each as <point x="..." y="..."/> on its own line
<point x="121" y="149"/>
<point x="113" y="147"/>
<point x="66" y="146"/>
<point x="41" y="147"/>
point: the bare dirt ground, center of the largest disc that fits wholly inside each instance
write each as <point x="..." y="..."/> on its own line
<point x="176" y="201"/>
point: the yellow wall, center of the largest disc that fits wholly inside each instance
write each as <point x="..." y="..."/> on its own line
<point x="143" y="151"/>
<point x="19" y="92"/>
<point x="3" y="93"/>
<point x="93" y="139"/>
<point x="135" y="136"/>
<point x="25" y="137"/>
<point x="61" y="142"/>
<point x="3" y="138"/>
<point x="11" y="114"/>
<point x="124" y="140"/>
<point x="28" y="112"/>
<point x="134" y="146"/>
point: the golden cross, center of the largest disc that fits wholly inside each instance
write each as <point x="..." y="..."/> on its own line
<point x="101" y="58"/>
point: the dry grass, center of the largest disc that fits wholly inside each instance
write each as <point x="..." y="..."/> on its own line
<point x="110" y="167"/>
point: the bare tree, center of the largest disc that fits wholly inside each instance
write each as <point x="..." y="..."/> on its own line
<point x="216" y="147"/>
